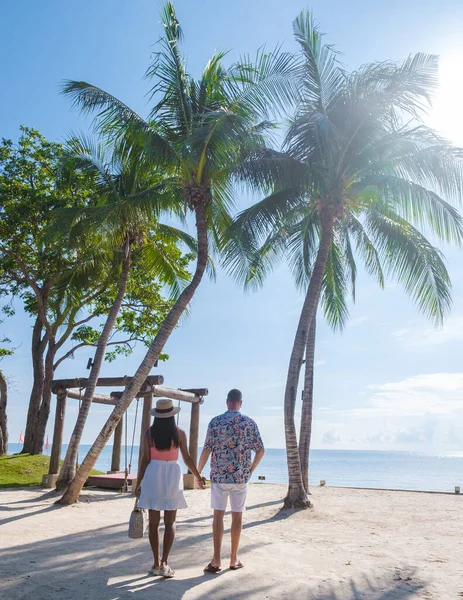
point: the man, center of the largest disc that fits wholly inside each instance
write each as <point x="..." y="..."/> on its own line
<point x="230" y="438"/>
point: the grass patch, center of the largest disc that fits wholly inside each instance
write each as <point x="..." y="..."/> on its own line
<point x="22" y="470"/>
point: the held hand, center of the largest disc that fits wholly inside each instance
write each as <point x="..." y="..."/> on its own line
<point x="201" y="482"/>
<point x="138" y="489"/>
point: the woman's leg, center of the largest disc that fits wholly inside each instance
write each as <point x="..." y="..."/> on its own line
<point x="169" y="534"/>
<point x="154" y="518"/>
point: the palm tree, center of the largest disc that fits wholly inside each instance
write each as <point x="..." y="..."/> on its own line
<point x="121" y="221"/>
<point x="200" y="132"/>
<point x="367" y="178"/>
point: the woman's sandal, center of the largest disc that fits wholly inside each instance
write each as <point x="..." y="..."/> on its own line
<point x="211" y="569"/>
<point x="239" y="565"/>
<point x="156" y="572"/>
<point x="167" y="572"/>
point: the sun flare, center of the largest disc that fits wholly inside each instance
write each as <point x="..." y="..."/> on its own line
<point x="447" y="113"/>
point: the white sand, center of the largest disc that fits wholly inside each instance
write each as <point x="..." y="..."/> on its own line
<point x="354" y="544"/>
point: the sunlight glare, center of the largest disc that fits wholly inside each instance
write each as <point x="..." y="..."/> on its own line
<point x="447" y="113"/>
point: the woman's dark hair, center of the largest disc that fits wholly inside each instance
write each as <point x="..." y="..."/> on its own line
<point x="163" y="433"/>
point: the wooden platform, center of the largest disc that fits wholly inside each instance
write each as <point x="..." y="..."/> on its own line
<point x="114" y="481"/>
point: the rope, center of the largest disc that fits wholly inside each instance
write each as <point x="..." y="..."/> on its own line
<point x="125" y="444"/>
<point x="128" y="467"/>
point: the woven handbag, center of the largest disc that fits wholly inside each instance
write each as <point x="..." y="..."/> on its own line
<point x="137" y="522"/>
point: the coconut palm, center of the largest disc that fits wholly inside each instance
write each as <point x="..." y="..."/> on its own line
<point x="368" y="178"/>
<point x="199" y="133"/>
<point x="122" y="222"/>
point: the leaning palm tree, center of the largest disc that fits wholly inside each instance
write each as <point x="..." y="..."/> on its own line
<point x="122" y="223"/>
<point x="199" y="133"/>
<point x="367" y="177"/>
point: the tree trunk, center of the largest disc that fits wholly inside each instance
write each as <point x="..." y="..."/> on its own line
<point x="68" y="470"/>
<point x="44" y="410"/>
<point x="3" y="419"/>
<point x="32" y="442"/>
<point x="60" y="412"/>
<point x="305" y="433"/>
<point x="296" y="496"/>
<point x="168" y="325"/>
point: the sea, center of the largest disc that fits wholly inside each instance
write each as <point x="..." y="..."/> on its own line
<point x="345" y="468"/>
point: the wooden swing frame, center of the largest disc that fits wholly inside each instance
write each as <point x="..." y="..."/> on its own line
<point x="151" y="388"/>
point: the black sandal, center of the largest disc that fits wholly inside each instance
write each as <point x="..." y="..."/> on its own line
<point x="211" y="569"/>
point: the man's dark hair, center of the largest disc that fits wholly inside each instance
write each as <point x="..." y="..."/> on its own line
<point x="234" y="396"/>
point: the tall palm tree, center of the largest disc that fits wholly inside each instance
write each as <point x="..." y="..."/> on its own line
<point x="367" y="177"/>
<point x="200" y="132"/>
<point x="122" y="220"/>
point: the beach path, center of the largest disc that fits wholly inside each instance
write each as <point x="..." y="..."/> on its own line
<point x="354" y="544"/>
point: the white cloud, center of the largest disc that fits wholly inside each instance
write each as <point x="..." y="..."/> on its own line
<point x="430" y="394"/>
<point x="357" y="321"/>
<point x="319" y="363"/>
<point x="452" y="331"/>
<point x="268" y="386"/>
<point x="330" y="437"/>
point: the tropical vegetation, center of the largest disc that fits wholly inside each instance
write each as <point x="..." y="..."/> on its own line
<point x="364" y="178"/>
<point x="201" y="135"/>
<point x="359" y="181"/>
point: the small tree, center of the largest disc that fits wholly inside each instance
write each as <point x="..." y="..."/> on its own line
<point x="120" y="223"/>
<point x="32" y="269"/>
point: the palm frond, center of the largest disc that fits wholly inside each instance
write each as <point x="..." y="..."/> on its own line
<point x="323" y="75"/>
<point x="169" y="71"/>
<point x="334" y="289"/>
<point x="410" y="258"/>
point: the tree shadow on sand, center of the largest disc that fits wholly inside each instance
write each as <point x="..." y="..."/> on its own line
<point x="225" y="586"/>
<point x="103" y="564"/>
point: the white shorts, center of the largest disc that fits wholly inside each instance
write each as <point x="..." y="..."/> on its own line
<point x="237" y="492"/>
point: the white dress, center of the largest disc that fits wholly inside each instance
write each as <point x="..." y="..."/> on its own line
<point x="162" y="485"/>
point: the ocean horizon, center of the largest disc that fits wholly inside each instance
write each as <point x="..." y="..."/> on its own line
<point x="345" y="468"/>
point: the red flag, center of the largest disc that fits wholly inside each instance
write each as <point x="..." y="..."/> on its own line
<point x="47" y="445"/>
<point x="21" y="437"/>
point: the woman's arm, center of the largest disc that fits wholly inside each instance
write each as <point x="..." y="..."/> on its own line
<point x="145" y="461"/>
<point x="187" y="458"/>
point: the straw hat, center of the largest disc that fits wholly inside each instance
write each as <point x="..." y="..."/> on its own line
<point x="164" y="409"/>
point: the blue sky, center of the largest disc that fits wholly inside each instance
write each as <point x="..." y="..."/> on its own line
<point x="389" y="381"/>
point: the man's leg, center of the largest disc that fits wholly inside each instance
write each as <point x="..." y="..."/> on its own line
<point x="217" y="532"/>
<point x="238" y="494"/>
<point x="219" y="500"/>
<point x="236" y="526"/>
<point x="153" y="529"/>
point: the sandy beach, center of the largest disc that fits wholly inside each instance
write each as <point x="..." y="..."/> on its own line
<point x="353" y="544"/>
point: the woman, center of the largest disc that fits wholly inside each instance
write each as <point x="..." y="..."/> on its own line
<point x="161" y="482"/>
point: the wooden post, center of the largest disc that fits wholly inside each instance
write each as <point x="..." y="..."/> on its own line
<point x="53" y="470"/>
<point x="188" y="479"/>
<point x="194" y="432"/>
<point x="117" y="442"/>
<point x="145" y="422"/>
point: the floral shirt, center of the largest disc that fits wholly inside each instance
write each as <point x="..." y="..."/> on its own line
<point x="231" y="437"/>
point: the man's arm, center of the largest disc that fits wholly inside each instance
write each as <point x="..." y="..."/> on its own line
<point x="258" y="447"/>
<point x="207" y="448"/>
<point x="203" y="459"/>
<point x="257" y="458"/>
